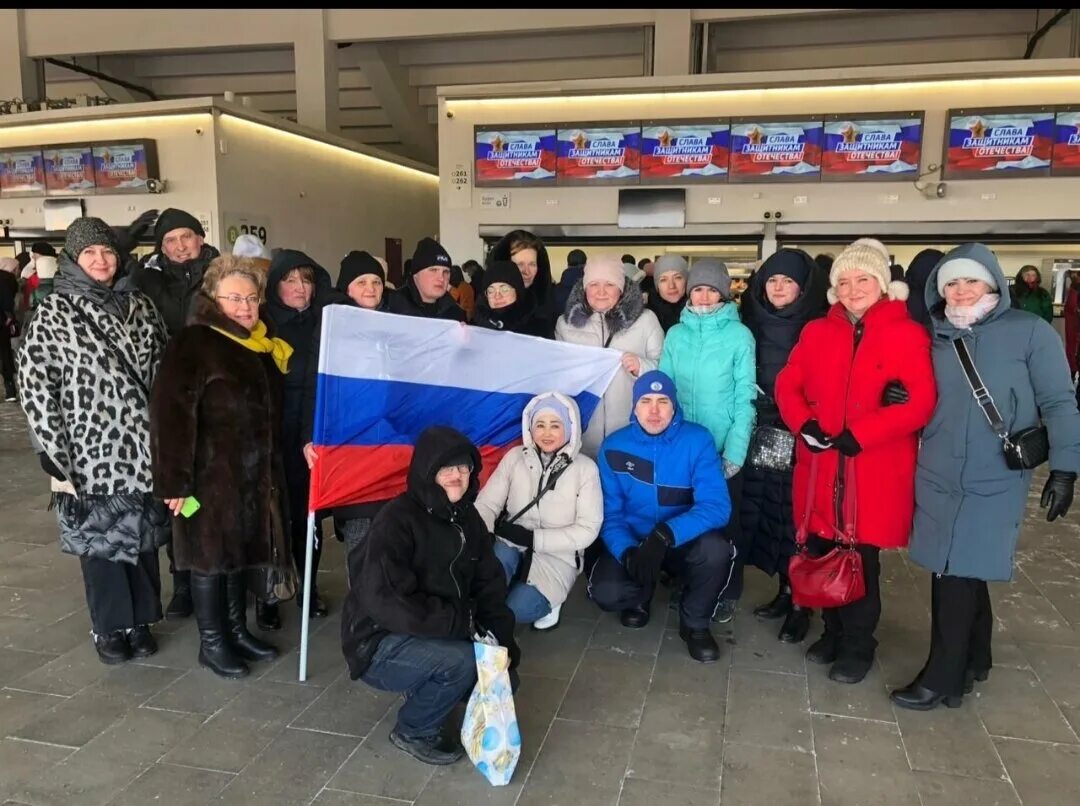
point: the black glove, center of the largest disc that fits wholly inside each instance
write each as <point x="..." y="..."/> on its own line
<point x="49" y="467"/>
<point x="643" y="562"/>
<point x="894" y="393"/>
<point x="846" y="443"/>
<point x="1058" y="493"/>
<point x="816" y="439"/>
<point x="128" y="237"/>
<point x="511" y="532"/>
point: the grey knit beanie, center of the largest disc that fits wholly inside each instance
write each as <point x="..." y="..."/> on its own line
<point x="666" y="263"/>
<point x="88" y="231"/>
<point x="712" y="273"/>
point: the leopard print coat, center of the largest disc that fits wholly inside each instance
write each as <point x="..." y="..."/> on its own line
<point x="92" y="418"/>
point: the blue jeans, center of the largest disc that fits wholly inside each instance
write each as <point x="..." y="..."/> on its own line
<point x="433" y="673"/>
<point x="527" y="603"/>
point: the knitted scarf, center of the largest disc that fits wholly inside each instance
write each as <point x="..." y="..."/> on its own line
<point x="258" y="342"/>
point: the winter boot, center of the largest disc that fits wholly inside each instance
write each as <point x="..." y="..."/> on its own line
<point x="215" y="653"/>
<point x="246" y="645"/>
<point x="180" y="604"/>
<point x="780" y="606"/>
<point x="796" y="625"/>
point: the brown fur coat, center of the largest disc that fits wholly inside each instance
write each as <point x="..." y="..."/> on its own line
<point x="214" y="429"/>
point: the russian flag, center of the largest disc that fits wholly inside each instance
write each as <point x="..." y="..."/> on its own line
<point x="384" y="378"/>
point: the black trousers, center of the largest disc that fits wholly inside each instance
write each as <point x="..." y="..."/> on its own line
<point x="734" y="534"/>
<point x="297" y="482"/>
<point x="852" y="626"/>
<point x="121" y="595"/>
<point x="704" y="564"/>
<point x="7" y="358"/>
<point x="961" y="627"/>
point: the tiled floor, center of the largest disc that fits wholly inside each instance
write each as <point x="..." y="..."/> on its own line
<point x="608" y="715"/>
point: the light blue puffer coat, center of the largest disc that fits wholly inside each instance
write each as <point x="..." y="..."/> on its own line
<point x="711" y="359"/>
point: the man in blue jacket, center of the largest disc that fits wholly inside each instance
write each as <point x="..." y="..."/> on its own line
<point x="665" y="504"/>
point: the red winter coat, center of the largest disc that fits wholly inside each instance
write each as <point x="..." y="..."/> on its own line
<point x="831" y="379"/>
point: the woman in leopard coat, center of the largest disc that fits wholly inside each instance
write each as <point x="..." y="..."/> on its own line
<point x="85" y="369"/>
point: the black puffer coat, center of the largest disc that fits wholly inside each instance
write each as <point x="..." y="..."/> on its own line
<point x="428" y="567"/>
<point x="172" y="286"/>
<point x="766" y="508"/>
<point x="406" y="301"/>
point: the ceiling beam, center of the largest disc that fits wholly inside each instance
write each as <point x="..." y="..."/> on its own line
<point x="398" y="98"/>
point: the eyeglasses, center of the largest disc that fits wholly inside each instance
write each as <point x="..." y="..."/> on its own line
<point x="500" y="290"/>
<point x="464" y="470"/>
<point x="236" y="299"/>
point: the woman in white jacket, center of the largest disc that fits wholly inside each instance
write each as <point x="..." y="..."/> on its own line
<point x="606" y="310"/>
<point x="544" y="503"/>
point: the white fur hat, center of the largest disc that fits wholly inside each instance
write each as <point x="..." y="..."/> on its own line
<point x="46" y="267"/>
<point x="871" y="256"/>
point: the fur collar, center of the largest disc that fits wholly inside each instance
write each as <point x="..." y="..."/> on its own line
<point x="622" y="316"/>
<point x="206" y="312"/>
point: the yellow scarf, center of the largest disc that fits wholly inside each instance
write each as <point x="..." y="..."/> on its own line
<point x="258" y="342"/>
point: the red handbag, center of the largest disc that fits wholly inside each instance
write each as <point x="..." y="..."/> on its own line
<point x="836" y="578"/>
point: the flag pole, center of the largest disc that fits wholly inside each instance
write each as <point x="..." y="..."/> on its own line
<point x="305" y="613"/>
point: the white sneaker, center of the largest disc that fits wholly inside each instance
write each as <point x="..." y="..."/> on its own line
<point x="548" y="622"/>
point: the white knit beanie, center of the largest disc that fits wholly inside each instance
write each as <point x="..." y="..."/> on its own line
<point x="606" y="268"/>
<point x="871" y="256"/>
<point x="46" y="267"/>
<point x="247" y="245"/>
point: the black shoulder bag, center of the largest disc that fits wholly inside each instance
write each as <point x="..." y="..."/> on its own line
<point x="1024" y="450"/>
<point x="562" y="462"/>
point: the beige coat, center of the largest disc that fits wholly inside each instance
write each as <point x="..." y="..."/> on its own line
<point x="565" y="521"/>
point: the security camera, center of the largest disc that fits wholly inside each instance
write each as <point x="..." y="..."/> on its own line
<point x="155" y="185"/>
<point x="778" y="215"/>
<point x="940" y="190"/>
<point x="198" y="130"/>
<point x="449" y="113"/>
<point x="768" y="215"/>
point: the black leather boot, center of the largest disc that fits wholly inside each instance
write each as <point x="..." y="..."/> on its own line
<point x="796" y="625"/>
<point x="635" y="617"/>
<point x="700" y="644"/>
<point x="215" y="653"/>
<point x="246" y="645"/>
<point x="780" y="606"/>
<point x="113" y="647"/>
<point x="180" y="605"/>
<point x="916" y="697"/>
<point x="267" y="616"/>
<point x="824" y="650"/>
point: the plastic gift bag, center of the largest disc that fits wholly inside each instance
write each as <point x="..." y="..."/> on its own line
<point x="490" y="732"/>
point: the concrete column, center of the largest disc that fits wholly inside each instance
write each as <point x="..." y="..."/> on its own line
<point x="316" y="74"/>
<point x="20" y="77"/>
<point x="671" y="43"/>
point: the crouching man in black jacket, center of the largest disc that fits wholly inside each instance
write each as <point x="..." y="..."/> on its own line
<point x="425" y="580"/>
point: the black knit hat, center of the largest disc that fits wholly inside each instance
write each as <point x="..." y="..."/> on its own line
<point x="503" y="271"/>
<point x="430" y="252"/>
<point x="356" y="264"/>
<point x="87" y="231"/>
<point x="43" y="248"/>
<point x="171" y="219"/>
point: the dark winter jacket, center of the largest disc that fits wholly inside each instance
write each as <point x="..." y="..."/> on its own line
<point x="917" y="275"/>
<point x="570" y="278"/>
<point x="427" y="567"/>
<point x="298" y="329"/>
<point x="836" y="375"/>
<point x="1035" y="300"/>
<point x="215" y="435"/>
<point x="172" y="286"/>
<point x="766" y="511"/>
<point x="541" y="291"/>
<point x="673" y="477"/>
<point x="667" y="313"/>
<point x="9" y="291"/>
<point x="968" y="504"/>
<point x="406" y="301"/>
<point x="86" y="398"/>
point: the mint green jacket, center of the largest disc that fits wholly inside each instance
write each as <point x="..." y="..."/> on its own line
<point x="711" y="359"/>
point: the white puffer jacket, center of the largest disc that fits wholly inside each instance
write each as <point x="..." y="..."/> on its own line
<point x="629" y="328"/>
<point x="567" y="518"/>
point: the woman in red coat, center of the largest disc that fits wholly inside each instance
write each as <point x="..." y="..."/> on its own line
<point x="858" y="387"/>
